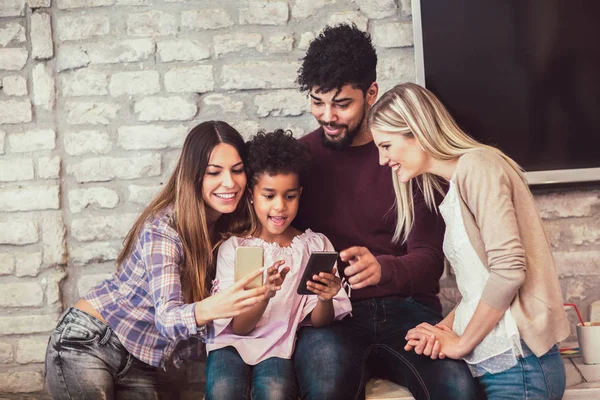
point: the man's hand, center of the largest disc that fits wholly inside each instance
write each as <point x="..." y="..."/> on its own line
<point x="364" y="269"/>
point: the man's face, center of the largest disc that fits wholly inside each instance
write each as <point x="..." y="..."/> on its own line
<point x="341" y="112"/>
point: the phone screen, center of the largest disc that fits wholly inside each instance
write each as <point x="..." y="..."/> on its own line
<point x="248" y="259"/>
<point x="319" y="261"/>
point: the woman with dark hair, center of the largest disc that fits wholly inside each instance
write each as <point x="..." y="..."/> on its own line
<point x="111" y="341"/>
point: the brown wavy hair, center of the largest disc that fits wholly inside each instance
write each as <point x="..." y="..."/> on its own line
<point x="184" y="192"/>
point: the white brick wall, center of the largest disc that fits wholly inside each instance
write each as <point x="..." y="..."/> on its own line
<point x="38" y="139"/>
<point x="13" y="59"/>
<point x="79" y="27"/>
<point x="24" y="324"/>
<point x="134" y="83"/>
<point x="27" y="294"/>
<point x="259" y="75"/>
<point x="29" y="198"/>
<point x="15" y="169"/>
<point x="48" y="167"/>
<point x="96" y="99"/>
<point x="100" y="197"/>
<point x="18" y="231"/>
<point x="109" y="168"/>
<point x="11" y="31"/>
<point x="14" y="85"/>
<point x="171" y="108"/>
<point x="44" y="90"/>
<point x="208" y="18"/>
<point x="28" y="264"/>
<point x="190" y="79"/>
<point x="41" y="36"/>
<point x="169" y="50"/>
<point x="88" y="112"/>
<point x="87" y="142"/>
<point x="84" y="82"/>
<point x="15" y="111"/>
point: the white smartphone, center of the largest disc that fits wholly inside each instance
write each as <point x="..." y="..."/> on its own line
<point x="248" y="259"/>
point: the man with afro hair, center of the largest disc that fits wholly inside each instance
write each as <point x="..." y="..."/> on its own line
<point x="350" y="198"/>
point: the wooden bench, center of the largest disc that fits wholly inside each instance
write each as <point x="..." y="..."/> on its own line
<point x="583" y="382"/>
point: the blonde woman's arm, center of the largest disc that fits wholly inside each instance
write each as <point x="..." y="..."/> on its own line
<point x="485" y="186"/>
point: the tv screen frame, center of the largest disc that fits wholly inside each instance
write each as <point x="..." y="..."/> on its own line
<point x="543" y="177"/>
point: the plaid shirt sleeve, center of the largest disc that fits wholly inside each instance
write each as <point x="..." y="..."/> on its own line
<point x="162" y="255"/>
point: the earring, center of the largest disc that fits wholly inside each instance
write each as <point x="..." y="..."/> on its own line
<point x="251" y="201"/>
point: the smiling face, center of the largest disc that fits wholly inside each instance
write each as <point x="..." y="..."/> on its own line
<point x="401" y="152"/>
<point x="276" y="199"/>
<point x="224" y="181"/>
<point x="342" y="114"/>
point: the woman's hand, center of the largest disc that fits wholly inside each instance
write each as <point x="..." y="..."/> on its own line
<point x="275" y="278"/>
<point x="230" y="302"/>
<point x="327" y="287"/>
<point x="435" y="341"/>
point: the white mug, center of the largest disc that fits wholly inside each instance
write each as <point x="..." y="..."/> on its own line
<point x="588" y="336"/>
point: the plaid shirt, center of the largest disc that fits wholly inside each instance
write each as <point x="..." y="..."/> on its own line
<point x="143" y="302"/>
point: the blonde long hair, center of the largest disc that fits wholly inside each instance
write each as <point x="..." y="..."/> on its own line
<point x="410" y="108"/>
<point x="184" y="192"/>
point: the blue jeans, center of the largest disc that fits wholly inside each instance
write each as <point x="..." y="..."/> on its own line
<point x="86" y="360"/>
<point x="335" y="362"/>
<point x="228" y="377"/>
<point x="532" y="378"/>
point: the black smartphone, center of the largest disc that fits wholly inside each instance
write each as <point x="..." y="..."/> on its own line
<point x="319" y="261"/>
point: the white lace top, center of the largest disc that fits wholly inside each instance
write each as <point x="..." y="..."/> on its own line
<point x="498" y="351"/>
<point x="275" y="332"/>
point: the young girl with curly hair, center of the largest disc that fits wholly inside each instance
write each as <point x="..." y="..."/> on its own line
<point x="252" y="351"/>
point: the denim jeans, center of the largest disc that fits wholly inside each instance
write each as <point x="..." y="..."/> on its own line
<point x="86" y="360"/>
<point x="228" y="377"/>
<point x="533" y="378"/>
<point x="335" y="362"/>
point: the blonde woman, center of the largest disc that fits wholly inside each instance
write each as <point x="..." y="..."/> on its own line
<point x="511" y="315"/>
<point x="110" y="343"/>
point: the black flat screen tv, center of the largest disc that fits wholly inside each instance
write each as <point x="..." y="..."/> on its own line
<point x="523" y="75"/>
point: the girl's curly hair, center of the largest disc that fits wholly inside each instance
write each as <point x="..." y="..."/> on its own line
<point x="340" y="55"/>
<point x="276" y="152"/>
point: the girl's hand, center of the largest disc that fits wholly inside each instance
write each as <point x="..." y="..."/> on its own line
<point x="435" y="341"/>
<point x="275" y="278"/>
<point x="328" y="285"/>
<point x="230" y="302"/>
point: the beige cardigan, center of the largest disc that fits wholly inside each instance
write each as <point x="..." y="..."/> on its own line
<point x="506" y="231"/>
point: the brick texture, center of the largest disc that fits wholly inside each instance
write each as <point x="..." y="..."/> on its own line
<point x="96" y="99"/>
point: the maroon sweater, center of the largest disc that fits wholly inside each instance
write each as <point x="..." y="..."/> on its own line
<point x="350" y="198"/>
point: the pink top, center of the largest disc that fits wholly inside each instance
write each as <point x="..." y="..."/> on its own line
<point x="275" y="332"/>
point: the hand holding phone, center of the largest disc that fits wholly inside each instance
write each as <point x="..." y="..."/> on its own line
<point x="325" y="285"/>
<point x="319" y="274"/>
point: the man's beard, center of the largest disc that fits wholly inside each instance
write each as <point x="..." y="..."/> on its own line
<point x="345" y="141"/>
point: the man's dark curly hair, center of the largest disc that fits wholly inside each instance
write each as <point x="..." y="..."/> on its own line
<point x="340" y="55"/>
<point x="274" y="153"/>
